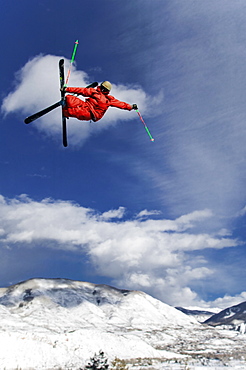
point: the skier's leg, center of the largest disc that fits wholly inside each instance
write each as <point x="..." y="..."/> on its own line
<point x="76" y="108"/>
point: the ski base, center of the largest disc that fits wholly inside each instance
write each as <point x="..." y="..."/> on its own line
<point x="64" y="121"/>
<point x="41" y="113"/>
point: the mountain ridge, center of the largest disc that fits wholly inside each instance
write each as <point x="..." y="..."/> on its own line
<point x="61" y="323"/>
<point x="234" y="315"/>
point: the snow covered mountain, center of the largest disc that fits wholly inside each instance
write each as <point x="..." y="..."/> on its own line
<point x="60" y="324"/>
<point x="199" y="314"/>
<point x="234" y="315"/>
<point x="93" y="304"/>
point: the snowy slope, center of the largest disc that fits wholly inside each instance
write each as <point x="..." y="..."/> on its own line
<point x="234" y="315"/>
<point x="88" y="304"/>
<point x="53" y="317"/>
<point x="199" y="314"/>
<point x="59" y="323"/>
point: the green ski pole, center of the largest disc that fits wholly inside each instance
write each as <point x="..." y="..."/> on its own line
<point x="72" y="60"/>
<point x="145" y="126"/>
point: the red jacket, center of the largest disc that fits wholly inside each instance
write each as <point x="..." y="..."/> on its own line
<point x="97" y="101"/>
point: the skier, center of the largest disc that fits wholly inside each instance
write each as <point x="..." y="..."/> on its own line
<point x="95" y="106"/>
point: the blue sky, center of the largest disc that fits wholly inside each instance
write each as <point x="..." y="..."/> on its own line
<point x="166" y="217"/>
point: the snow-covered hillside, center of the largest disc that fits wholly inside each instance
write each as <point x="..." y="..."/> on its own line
<point x="91" y="304"/>
<point x="198" y="313"/>
<point x="235" y="316"/>
<point x="59" y="323"/>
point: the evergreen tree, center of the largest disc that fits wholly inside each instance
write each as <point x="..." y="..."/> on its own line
<point x="98" y="362"/>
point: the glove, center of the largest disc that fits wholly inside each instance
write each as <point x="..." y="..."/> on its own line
<point x="134" y="106"/>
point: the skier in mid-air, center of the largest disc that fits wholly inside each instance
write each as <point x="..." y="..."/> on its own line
<point x="95" y="106"/>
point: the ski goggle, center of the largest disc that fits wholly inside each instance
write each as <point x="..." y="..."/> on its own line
<point x="104" y="89"/>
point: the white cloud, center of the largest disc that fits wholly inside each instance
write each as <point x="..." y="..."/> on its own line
<point x="137" y="254"/>
<point x="146" y="213"/>
<point x="197" y="161"/>
<point x="113" y="213"/>
<point x="37" y="86"/>
<point x="228" y="301"/>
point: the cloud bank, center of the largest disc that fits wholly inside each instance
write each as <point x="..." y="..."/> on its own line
<point x="37" y="86"/>
<point x="197" y="56"/>
<point x="148" y="254"/>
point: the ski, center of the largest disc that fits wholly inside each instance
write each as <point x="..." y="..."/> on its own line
<point x="64" y="120"/>
<point x="37" y="115"/>
<point x="93" y="84"/>
<point x="44" y="111"/>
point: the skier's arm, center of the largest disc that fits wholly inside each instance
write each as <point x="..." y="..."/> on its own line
<point x="120" y="104"/>
<point x="81" y="91"/>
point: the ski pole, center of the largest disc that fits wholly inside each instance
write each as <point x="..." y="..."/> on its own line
<point x="145" y="126"/>
<point x="72" y="60"/>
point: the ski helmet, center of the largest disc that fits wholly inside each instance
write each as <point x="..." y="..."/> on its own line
<point x="107" y="85"/>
